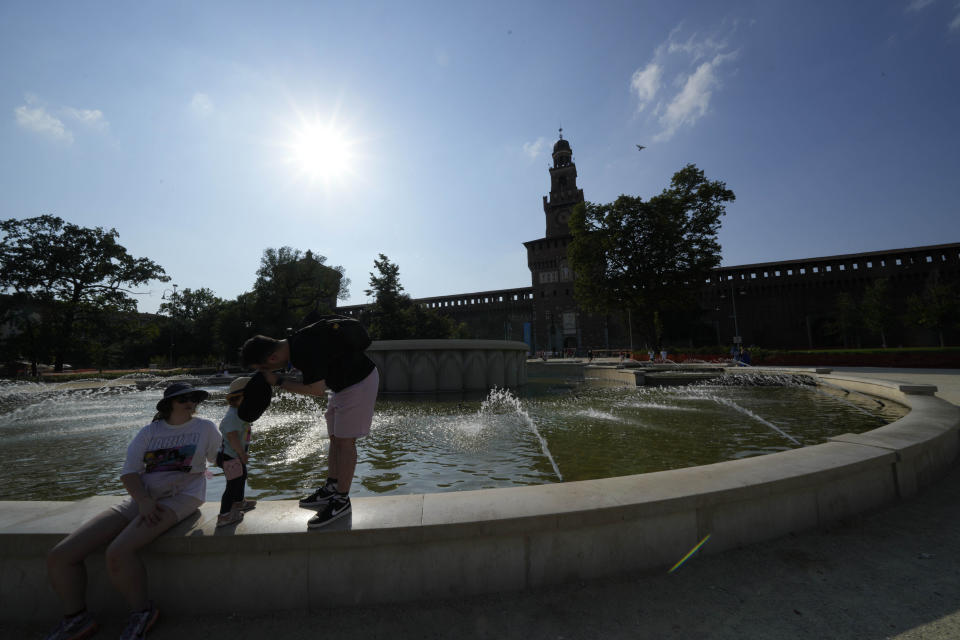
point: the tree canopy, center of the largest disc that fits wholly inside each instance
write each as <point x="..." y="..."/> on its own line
<point x="290" y="284"/>
<point x="394" y="316"/>
<point x="936" y="308"/>
<point x="648" y="257"/>
<point x="68" y="269"/>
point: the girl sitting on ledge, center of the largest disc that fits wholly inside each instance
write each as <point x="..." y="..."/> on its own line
<point x="164" y="474"/>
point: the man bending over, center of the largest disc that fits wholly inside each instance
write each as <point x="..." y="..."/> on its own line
<point x="330" y="353"/>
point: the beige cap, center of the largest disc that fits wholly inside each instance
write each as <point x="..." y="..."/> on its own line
<point x="238" y="384"/>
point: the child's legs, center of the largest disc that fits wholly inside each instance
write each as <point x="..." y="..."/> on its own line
<point x="126" y="569"/>
<point x="65" y="567"/>
<point x="234" y="490"/>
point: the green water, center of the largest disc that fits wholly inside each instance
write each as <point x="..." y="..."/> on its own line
<point x="66" y="445"/>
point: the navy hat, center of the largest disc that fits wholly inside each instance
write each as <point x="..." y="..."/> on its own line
<point x="180" y="388"/>
<point x="256" y="398"/>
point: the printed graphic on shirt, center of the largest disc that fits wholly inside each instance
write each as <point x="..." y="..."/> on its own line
<point x="176" y="459"/>
<point x="171" y="453"/>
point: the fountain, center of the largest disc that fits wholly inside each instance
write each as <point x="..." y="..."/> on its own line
<point x="459" y="496"/>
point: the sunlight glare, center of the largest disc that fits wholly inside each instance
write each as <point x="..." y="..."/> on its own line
<point x="322" y="152"/>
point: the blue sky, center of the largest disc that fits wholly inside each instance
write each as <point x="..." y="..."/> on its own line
<point x="207" y="132"/>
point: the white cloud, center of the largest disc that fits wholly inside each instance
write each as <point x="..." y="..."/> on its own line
<point x="36" y="119"/>
<point x="693" y="90"/>
<point x="955" y="24"/>
<point x="92" y="118"/>
<point x="917" y="5"/>
<point x="201" y="104"/>
<point x="645" y="83"/>
<point x="692" y="102"/>
<point x="533" y="149"/>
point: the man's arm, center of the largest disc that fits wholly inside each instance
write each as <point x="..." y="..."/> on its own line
<point x="317" y="388"/>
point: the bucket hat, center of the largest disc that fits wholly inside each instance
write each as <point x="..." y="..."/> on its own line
<point x="238" y="385"/>
<point x="180" y="388"/>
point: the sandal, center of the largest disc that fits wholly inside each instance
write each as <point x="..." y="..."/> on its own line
<point x="231" y="517"/>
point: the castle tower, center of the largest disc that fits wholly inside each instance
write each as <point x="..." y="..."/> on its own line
<point x="556" y="319"/>
<point x="564" y="194"/>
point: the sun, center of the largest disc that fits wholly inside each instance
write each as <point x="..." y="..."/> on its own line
<point x="323" y="152"/>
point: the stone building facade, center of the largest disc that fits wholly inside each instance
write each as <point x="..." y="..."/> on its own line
<point x="785" y="304"/>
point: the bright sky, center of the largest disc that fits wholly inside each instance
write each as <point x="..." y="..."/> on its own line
<point x="205" y="132"/>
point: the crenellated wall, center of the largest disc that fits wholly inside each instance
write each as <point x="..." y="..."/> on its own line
<point x="785" y="304"/>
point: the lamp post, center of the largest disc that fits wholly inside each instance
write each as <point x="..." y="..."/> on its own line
<point x="733" y="301"/>
<point x="173" y="316"/>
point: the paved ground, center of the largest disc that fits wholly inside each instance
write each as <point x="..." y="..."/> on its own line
<point x="890" y="574"/>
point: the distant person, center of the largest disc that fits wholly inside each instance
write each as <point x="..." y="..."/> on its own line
<point x="164" y="473"/>
<point x="233" y="457"/>
<point x="589" y="356"/>
<point x="745" y="357"/>
<point x="663" y="355"/>
<point x="329" y="358"/>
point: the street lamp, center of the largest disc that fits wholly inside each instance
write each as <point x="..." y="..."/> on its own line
<point x="733" y="300"/>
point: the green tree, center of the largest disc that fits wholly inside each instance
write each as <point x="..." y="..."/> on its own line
<point x="394" y="316"/>
<point x="386" y="318"/>
<point x="846" y="321"/>
<point x="290" y="284"/>
<point x="876" y="308"/>
<point x="193" y="314"/>
<point x="68" y="269"/>
<point x="648" y="258"/>
<point x="936" y="308"/>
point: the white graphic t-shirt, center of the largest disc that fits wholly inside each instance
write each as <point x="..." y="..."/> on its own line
<point x="173" y="459"/>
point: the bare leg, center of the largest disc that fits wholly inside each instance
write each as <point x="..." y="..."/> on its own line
<point x="346" y="461"/>
<point x="65" y="567"/>
<point x="125" y="567"/>
<point x="332" y="458"/>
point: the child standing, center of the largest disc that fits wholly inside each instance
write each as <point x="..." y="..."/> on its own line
<point x="234" y="455"/>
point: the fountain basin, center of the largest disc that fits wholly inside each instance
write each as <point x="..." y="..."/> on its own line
<point x="427" y="366"/>
<point x="411" y="547"/>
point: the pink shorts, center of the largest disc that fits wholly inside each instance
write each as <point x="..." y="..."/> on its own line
<point x="350" y="412"/>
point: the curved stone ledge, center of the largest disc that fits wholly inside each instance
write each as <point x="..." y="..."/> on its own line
<point x="427" y="366"/>
<point x="398" y="548"/>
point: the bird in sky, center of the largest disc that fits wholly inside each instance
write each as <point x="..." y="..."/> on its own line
<point x="640" y="147"/>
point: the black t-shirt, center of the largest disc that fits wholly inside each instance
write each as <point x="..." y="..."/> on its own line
<point x="320" y="356"/>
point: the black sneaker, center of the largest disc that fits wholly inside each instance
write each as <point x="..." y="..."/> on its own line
<point x="319" y="498"/>
<point x="78" y="627"/>
<point x="140" y="623"/>
<point x="336" y="508"/>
